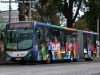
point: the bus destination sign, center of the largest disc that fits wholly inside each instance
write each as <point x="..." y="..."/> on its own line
<point x="20" y="25"/>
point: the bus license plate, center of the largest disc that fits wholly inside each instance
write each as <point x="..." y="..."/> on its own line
<point x="17" y="58"/>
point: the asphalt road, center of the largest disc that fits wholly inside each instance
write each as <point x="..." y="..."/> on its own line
<point x="68" y="68"/>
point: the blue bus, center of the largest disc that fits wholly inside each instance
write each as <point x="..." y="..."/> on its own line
<point x="36" y="41"/>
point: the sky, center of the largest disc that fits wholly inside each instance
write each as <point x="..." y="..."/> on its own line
<point x="4" y="5"/>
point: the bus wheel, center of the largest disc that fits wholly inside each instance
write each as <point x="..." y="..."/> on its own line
<point x="74" y="60"/>
<point x="22" y="62"/>
<point x="91" y="59"/>
<point x="71" y="57"/>
<point x="49" y="58"/>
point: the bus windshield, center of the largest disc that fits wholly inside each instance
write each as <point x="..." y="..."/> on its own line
<point x="19" y="39"/>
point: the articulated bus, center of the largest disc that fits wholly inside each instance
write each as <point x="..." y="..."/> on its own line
<point x="36" y="41"/>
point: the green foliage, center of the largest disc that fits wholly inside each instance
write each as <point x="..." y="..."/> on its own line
<point x="1" y="24"/>
<point x="53" y="19"/>
<point x="68" y="10"/>
<point x="46" y="11"/>
<point x="93" y="14"/>
<point x="81" y="24"/>
<point x="49" y="8"/>
<point x="51" y="5"/>
<point x="90" y="17"/>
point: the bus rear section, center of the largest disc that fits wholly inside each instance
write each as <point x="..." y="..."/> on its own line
<point x="87" y="45"/>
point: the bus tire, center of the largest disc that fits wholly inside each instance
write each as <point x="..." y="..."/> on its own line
<point x="22" y="62"/>
<point x="74" y="60"/>
<point x="49" y="58"/>
<point x="71" y="57"/>
<point x="91" y="59"/>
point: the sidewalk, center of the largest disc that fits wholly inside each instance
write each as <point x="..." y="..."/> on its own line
<point x="7" y="63"/>
<point x="3" y="62"/>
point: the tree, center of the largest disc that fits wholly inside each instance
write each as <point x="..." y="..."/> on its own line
<point x="65" y="6"/>
<point x="21" y="8"/>
<point x="81" y="23"/>
<point x="49" y="8"/>
<point x="46" y="19"/>
<point x="68" y="11"/>
<point x="46" y="13"/>
<point x="2" y="25"/>
<point x="93" y="14"/>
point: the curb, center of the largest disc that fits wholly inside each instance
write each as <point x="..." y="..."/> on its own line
<point x="7" y="63"/>
<point x="10" y="63"/>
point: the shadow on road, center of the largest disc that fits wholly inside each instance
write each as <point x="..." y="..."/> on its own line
<point x="80" y="61"/>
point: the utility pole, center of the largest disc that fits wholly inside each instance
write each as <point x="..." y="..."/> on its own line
<point x="98" y="23"/>
<point x="98" y="27"/>
<point x="98" y="46"/>
<point x="29" y="12"/>
<point x="9" y="11"/>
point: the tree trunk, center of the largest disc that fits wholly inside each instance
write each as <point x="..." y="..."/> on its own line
<point x="21" y="10"/>
<point x="69" y="24"/>
<point x="68" y="12"/>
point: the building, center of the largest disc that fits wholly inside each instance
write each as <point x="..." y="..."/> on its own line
<point x="14" y="16"/>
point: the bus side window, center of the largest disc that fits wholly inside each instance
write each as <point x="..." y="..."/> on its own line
<point x="75" y="37"/>
<point x="10" y="36"/>
<point x="69" y="36"/>
<point x="40" y="35"/>
<point x="94" y="40"/>
<point x="47" y="34"/>
<point x="55" y="35"/>
<point x="62" y="38"/>
<point x="89" y="39"/>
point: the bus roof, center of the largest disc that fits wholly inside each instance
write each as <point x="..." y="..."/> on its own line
<point x="72" y="29"/>
<point x="95" y="33"/>
<point x="54" y="26"/>
<point x="90" y="32"/>
<point x="43" y="24"/>
<point x="61" y="27"/>
<point x="85" y="31"/>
